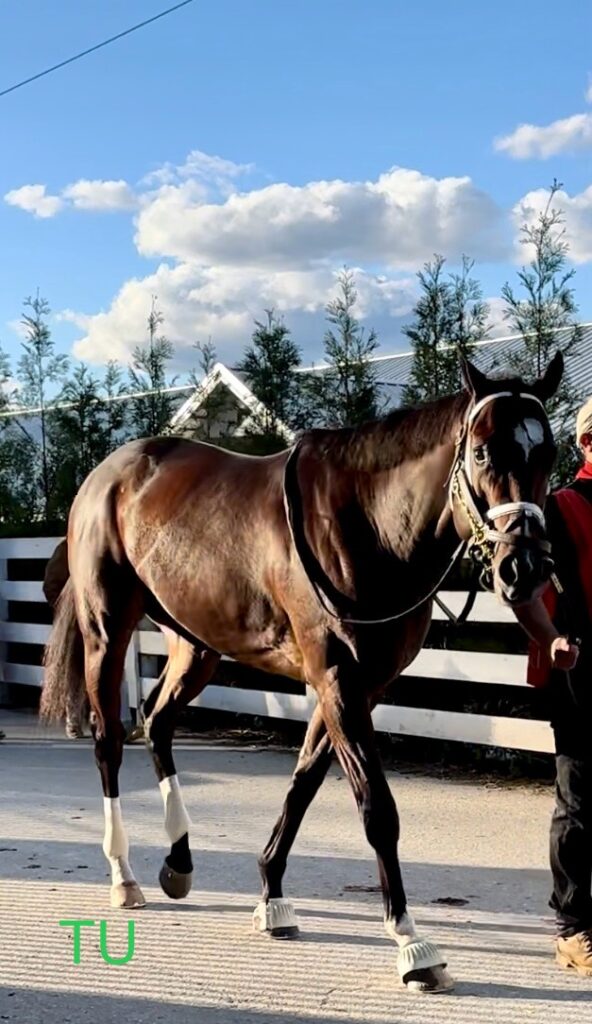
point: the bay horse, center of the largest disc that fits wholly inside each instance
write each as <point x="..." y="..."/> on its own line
<point x="318" y="563"/>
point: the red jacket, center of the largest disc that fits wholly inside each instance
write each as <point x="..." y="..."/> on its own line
<point x="576" y="512"/>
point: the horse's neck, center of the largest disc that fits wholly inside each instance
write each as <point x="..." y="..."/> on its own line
<point x="410" y="506"/>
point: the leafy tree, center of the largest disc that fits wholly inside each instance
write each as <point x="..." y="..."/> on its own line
<point x="269" y="364"/>
<point x="346" y="393"/>
<point x="545" y="316"/>
<point x="38" y="369"/>
<point x="151" y="406"/>
<point x="450" y="317"/>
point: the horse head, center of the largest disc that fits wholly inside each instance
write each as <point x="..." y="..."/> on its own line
<point x="500" y="479"/>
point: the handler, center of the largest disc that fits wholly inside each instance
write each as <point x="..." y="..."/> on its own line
<point x="560" y="658"/>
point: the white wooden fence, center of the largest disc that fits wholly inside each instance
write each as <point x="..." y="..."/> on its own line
<point x="449" y="666"/>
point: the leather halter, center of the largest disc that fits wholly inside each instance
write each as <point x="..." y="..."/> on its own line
<point x="484" y="538"/>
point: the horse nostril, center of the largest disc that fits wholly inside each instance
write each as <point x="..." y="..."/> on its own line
<point x="509" y="571"/>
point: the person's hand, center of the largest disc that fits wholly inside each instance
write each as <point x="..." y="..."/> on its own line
<point x="563" y="654"/>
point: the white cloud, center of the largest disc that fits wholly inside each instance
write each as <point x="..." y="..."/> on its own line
<point x="100" y="195"/>
<point x="200" y="176"/>
<point x="34" y="199"/>
<point x="222" y="303"/>
<point x="496" y="322"/>
<point x="202" y="167"/>
<point x="279" y="247"/>
<point x="17" y="327"/>
<point x="530" y="141"/>
<point x="398" y="220"/>
<point x="231" y="255"/>
<point x="70" y="316"/>
<point x="577" y="211"/>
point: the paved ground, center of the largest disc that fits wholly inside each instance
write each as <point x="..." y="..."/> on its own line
<point x="198" y="961"/>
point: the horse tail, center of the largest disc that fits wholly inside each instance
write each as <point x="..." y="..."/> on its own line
<point x="63" y="662"/>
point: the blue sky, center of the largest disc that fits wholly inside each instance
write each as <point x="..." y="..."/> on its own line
<point x="296" y="116"/>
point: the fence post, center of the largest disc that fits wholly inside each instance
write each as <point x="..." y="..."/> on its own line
<point x="131" y="695"/>
<point x="3" y="618"/>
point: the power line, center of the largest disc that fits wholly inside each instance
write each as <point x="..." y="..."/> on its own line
<point x="92" y="49"/>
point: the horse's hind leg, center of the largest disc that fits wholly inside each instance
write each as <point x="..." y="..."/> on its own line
<point x="107" y="623"/>
<point x="274" y="914"/>
<point x="188" y="670"/>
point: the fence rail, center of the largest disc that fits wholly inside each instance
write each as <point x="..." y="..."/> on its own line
<point x="482" y="670"/>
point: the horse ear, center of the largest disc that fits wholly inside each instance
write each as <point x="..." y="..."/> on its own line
<point x="475" y="381"/>
<point x="546" y="386"/>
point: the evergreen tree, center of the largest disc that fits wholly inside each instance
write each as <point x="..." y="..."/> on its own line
<point x="450" y="317"/>
<point x="210" y="415"/>
<point x="206" y="358"/>
<point x="346" y="393"/>
<point x="18" y="486"/>
<point x="545" y="315"/>
<point x="269" y="364"/>
<point x="78" y="438"/>
<point x="151" y="406"/>
<point x="38" y="369"/>
<point x="114" y="407"/>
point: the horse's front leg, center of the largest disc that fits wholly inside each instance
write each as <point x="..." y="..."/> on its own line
<point x="347" y="714"/>
<point x="275" y="915"/>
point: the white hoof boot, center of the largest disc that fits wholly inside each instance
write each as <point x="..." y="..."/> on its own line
<point x="422" y="968"/>
<point x="276" y="918"/>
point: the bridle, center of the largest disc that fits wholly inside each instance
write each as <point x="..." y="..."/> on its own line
<point x="484" y="538"/>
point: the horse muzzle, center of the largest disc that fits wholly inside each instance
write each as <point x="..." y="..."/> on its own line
<point x="521" y="574"/>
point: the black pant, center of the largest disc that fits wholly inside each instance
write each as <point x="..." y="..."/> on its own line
<point x="571" y="828"/>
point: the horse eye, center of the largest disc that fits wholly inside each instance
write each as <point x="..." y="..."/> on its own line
<point x="481" y="455"/>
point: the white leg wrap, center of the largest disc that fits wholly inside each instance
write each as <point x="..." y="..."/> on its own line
<point x="115" y="843"/>
<point x="176" y="819"/>
<point x="402" y="931"/>
<point x="276" y="913"/>
<point x="417" y="954"/>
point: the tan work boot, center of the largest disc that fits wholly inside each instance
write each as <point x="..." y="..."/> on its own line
<point x="576" y="953"/>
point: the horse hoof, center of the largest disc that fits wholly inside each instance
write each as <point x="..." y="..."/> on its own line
<point x="422" y="969"/>
<point x="175" y="884"/>
<point x="429" y="981"/>
<point x="127" y="896"/>
<point x="277" y="919"/>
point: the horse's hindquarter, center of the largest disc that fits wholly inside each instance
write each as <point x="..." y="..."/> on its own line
<point x="206" y="533"/>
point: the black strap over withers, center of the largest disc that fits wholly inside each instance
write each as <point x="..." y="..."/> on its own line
<point x="343" y="607"/>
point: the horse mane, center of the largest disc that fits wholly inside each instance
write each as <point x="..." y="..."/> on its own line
<point x="406" y="433"/>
